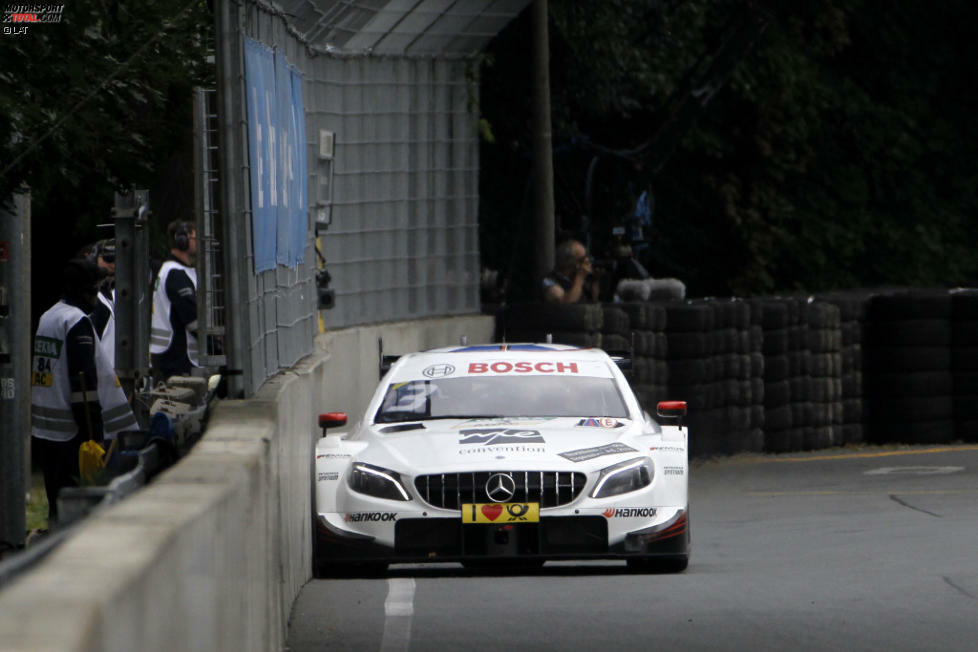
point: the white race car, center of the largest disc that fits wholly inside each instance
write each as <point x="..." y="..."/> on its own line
<point x="506" y="455"/>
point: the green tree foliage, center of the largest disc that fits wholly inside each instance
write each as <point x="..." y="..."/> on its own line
<point x="837" y="153"/>
<point x="96" y="92"/>
<point x="98" y="102"/>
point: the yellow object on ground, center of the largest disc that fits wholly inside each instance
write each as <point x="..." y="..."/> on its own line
<point x="91" y="461"/>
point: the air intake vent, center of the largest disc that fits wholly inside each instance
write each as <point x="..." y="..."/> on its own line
<point x="549" y="488"/>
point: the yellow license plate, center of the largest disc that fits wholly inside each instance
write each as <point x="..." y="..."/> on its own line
<point x="501" y="513"/>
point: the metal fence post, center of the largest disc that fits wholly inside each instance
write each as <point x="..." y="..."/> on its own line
<point x="210" y="270"/>
<point x="132" y="298"/>
<point x="233" y="142"/>
<point x="15" y="365"/>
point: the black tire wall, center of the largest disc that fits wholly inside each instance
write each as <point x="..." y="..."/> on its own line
<point x="789" y="373"/>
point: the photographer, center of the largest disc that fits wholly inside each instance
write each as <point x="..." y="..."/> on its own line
<point x="573" y="279"/>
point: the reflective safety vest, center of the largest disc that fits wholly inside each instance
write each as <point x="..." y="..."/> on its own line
<point x="107" y="337"/>
<point x="161" y="334"/>
<point x="51" y="395"/>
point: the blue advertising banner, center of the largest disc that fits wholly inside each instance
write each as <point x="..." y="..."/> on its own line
<point x="300" y="207"/>
<point x="282" y="176"/>
<point x="277" y="161"/>
<point x="260" y="83"/>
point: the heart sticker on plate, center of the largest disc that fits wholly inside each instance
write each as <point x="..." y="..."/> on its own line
<point x="492" y="512"/>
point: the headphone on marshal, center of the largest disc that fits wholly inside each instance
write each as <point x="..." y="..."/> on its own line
<point x="181" y="236"/>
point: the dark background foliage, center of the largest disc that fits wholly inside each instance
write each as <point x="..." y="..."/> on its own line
<point x="98" y="102"/>
<point x="834" y="148"/>
<point x="839" y="153"/>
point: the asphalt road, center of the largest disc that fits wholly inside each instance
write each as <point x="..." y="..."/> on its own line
<point x="875" y="549"/>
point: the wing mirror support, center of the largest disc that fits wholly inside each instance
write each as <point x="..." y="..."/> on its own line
<point x="386" y="361"/>
<point x="672" y="410"/>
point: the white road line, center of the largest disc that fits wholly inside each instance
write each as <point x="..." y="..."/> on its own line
<point x="398" y="612"/>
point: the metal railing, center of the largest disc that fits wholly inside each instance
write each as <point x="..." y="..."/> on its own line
<point x="211" y="313"/>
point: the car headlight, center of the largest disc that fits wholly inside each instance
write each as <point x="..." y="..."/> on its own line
<point x="630" y="475"/>
<point x="377" y="482"/>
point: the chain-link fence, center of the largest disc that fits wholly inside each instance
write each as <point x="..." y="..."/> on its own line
<point x="404" y="239"/>
<point x="392" y="169"/>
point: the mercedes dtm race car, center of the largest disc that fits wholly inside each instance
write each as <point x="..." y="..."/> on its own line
<point x="506" y="453"/>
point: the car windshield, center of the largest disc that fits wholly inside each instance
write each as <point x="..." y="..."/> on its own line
<point x="530" y="396"/>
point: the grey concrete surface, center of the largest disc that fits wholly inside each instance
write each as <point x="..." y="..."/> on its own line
<point x="870" y="549"/>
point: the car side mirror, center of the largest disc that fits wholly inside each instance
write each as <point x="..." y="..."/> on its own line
<point x="331" y="420"/>
<point x="672" y="410"/>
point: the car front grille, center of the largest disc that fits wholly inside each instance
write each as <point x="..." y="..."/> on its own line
<point x="452" y="490"/>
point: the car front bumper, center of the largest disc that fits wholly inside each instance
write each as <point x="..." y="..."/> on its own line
<point x="553" y="537"/>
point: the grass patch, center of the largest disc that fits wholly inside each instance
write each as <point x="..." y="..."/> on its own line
<point x="37" y="504"/>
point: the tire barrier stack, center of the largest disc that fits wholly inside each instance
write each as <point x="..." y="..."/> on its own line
<point x="739" y="420"/>
<point x="758" y="366"/>
<point x="852" y="315"/>
<point x="799" y="380"/>
<point x="616" y="329"/>
<point x="964" y="363"/>
<point x="909" y="386"/>
<point x="796" y="415"/>
<point x="825" y="375"/>
<point x="690" y="345"/>
<point x="578" y="324"/>
<point x="771" y="317"/>
<point x="650" y="371"/>
<point x="790" y="373"/>
<point x="709" y="365"/>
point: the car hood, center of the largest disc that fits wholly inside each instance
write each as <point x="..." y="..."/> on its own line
<point x="516" y="444"/>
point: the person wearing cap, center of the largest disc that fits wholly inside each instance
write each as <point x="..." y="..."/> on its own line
<point x="173" y="338"/>
<point x="71" y="402"/>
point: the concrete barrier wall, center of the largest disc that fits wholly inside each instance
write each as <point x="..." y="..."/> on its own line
<point x="213" y="553"/>
<point x="355" y="350"/>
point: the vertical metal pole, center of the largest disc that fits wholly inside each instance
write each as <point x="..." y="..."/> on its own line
<point x="233" y="141"/>
<point x="143" y="298"/>
<point x="132" y="295"/>
<point x="210" y="285"/>
<point x="543" y="172"/>
<point x="15" y="366"/>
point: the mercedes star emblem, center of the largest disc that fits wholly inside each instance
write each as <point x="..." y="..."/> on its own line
<point x="500" y="487"/>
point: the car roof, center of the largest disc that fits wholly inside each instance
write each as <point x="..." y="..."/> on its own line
<point x="493" y="348"/>
<point x="495" y="359"/>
